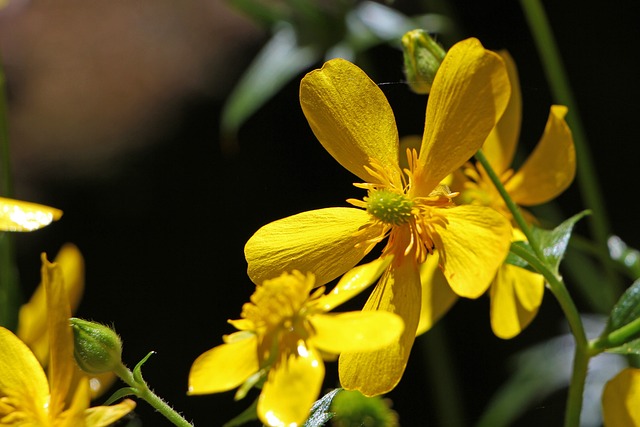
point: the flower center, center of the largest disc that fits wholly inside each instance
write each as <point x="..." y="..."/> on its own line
<point x="388" y="206"/>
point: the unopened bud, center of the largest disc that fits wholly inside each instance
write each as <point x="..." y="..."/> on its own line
<point x="97" y="348"/>
<point x="422" y="58"/>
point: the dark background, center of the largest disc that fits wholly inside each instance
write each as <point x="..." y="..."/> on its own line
<point x="162" y="218"/>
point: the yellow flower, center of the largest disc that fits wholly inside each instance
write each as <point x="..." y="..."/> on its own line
<point x="27" y="398"/>
<point x="16" y="215"/>
<point x="516" y="293"/>
<point x="621" y="399"/>
<point x="352" y="119"/>
<point x="32" y="318"/>
<point x="283" y="334"/>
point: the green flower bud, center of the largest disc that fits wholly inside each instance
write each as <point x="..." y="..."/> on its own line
<point x="422" y="58"/>
<point x="97" y="348"/>
<point x="352" y="409"/>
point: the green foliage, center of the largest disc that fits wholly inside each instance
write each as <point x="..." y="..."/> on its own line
<point x="321" y="411"/>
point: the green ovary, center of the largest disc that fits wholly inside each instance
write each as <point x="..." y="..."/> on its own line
<point x="389" y="207"/>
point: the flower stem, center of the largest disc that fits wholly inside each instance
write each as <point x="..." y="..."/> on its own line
<point x="142" y="391"/>
<point x="561" y="90"/>
<point x="582" y="352"/>
<point x="559" y="290"/>
<point x="616" y="338"/>
<point x="513" y="208"/>
<point x="9" y="289"/>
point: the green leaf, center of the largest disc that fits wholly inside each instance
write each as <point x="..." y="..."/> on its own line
<point x="120" y="393"/>
<point x="514" y="259"/>
<point x="321" y="410"/>
<point x="632" y="347"/>
<point x="554" y="242"/>
<point x="278" y="63"/>
<point x="626" y="310"/>
<point x="249" y="414"/>
<point x="137" y="371"/>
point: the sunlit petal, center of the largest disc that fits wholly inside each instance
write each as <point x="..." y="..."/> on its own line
<point x="551" y="167"/>
<point x="16" y="215"/>
<point x="355" y="331"/>
<point x="291" y="389"/>
<point x="21" y="376"/>
<point x="529" y="287"/>
<point x="74" y="415"/>
<point x="472" y="243"/>
<point x="353" y="282"/>
<point x="510" y="314"/>
<point x="224" y="367"/>
<point x="469" y="94"/>
<point x="32" y="324"/>
<point x="350" y="116"/>
<point x="379" y="371"/>
<point x="62" y="365"/>
<point x="500" y="146"/>
<point x="102" y="416"/>
<point x="620" y="399"/>
<point x="437" y="296"/>
<point x="323" y="241"/>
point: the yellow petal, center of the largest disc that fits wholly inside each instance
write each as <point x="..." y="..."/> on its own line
<point x="551" y="167"/>
<point x="355" y="331"/>
<point x="509" y="313"/>
<point x="21" y="376"/>
<point x="472" y="243"/>
<point x="321" y="241"/>
<point x="500" y="146"/>
<point x="74" y="416"/>
<point x="16" y="215"/>
<point x="99" y="384"/>
<point x="377" y="372"/>
<point x="102" y="416"/>
<point x="224" y="367"/>
<point x="291" y="389"/>
<point x="62" y="365"/>
<point x="32" y="323"/>
<point x="437" y="296"/>
<point x="353" y="282"/>
<point x="620" y="399"/>
<point x="350" y="116"/>
<point x="469" y="94"/>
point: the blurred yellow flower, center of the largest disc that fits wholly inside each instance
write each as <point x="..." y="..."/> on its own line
<point x="16" y="215"/>
<point x="283" y="335"/>
<point x="352" y="119"/>
<point x="621" y="399"/>
<point x="516" y="293"/>
<point x="32" y="318"/>
<point x="26" y="396"/>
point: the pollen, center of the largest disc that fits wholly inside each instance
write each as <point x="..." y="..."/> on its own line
<point x="388" y="206"/>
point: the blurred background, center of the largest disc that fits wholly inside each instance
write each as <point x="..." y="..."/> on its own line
<point x="115" y="117"/>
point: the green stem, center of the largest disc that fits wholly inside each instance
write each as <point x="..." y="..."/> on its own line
<point x="513" y="208"/>
<point x="616" y="338"/>
<point x="582" y="352"/>
<point x="562" y="94"/>
<point x="142" y="391"/>
<point x="9" y="288"/>
<point x="437" y="360"/>
<point x="559" y="290"/>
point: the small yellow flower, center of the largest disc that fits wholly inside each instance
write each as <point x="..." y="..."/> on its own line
<point x="16" y="215"/>
<point x="27" y="398"/>
<point x="516" y="293"/>
<point x="621" y="399"/>
<point x="352" y="119"/>
<point x="32" y="318"/>
<point x="283" y="334"/>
